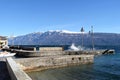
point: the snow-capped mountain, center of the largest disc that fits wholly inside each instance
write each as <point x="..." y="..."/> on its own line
<point x="65" y="31"/>
<point x="64" y="37"/>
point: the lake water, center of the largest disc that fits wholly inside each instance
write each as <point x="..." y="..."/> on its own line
<point x="105" y="67"/>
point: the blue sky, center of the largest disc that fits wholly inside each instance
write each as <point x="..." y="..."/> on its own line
<point x="21" y="17"/>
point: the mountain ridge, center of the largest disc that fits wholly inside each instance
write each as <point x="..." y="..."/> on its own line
<point x="64" y="37"/>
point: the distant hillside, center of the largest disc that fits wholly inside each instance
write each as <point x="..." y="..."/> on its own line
<point x="65" y="38"/>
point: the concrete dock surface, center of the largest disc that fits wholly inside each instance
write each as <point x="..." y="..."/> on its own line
<point x="4" y="74"/>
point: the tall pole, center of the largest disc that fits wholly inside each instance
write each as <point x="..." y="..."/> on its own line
<point x="92" y="37"/>
<point x="82" y="30"/>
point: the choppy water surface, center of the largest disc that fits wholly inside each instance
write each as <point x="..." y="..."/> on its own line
<point x="105" y="67"/>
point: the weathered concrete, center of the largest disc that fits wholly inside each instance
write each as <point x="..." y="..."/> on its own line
<point x="51" y="53"/>
<point x="53" y="61"/>
<point x="24" y="53"/>
<point x="51" y="49"/>
<point x="4" y="74"/>
<point x="16" y="73"/>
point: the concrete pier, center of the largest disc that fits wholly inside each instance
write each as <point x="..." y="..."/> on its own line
<point x="4" y="74"/>
<point x="42" y="63"/>
<point x="12" y="69"/>
<point x="46" y="58"/>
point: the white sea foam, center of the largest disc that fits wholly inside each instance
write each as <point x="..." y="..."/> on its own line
<point x="78" y="48"/>
<point x="74" y="48"/>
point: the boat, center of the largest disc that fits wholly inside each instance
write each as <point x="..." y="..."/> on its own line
<point x="6" y="54"/>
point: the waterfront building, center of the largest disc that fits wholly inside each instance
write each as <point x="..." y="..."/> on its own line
<point x="3" y="41"/>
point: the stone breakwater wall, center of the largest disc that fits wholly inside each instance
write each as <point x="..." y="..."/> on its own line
<point x="41" y="63"/>
<point x="51" y="49"/>
<point x="40" y="48"/>
<point x="23" y="53"/>
<point x="51" y="53"/>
